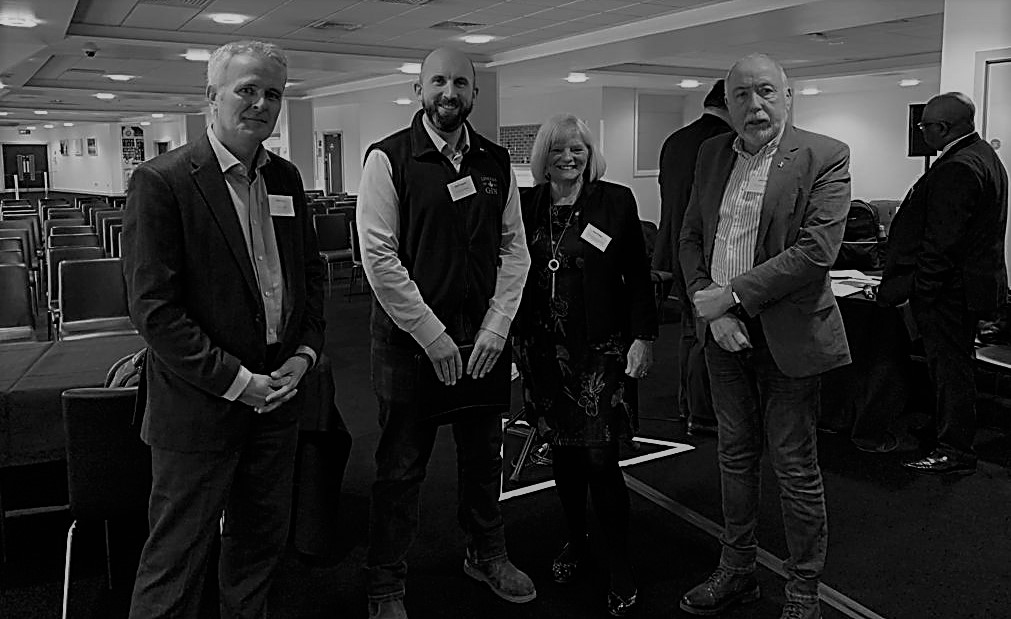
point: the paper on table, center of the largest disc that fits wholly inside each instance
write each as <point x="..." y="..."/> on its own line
<point x="841" y="289"/>
<point x="847" y="273"/>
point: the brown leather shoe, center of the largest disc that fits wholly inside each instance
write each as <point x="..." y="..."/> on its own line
<point x="388" y="609"/>
<point x="801" y="610"/>
<point x="940" y="463"/>
<point x="504" y="578"/>
<point x="719" y="592"/>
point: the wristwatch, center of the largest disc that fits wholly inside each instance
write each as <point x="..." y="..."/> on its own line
<point x="737" y="299"/>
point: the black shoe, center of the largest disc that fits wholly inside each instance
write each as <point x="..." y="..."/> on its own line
<point x="719" y="592"/>
<point x="619" y="605"/>
<point x="886" y="444"/>
<point x="940" y="463"/>
<point x="702" y="428"/>
<point x="565" y="565"/>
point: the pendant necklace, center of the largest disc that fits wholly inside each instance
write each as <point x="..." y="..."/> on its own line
<point x="554" y="264"/>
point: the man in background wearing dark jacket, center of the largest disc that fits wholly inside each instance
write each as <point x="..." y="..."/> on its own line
<point x="677" y="168"/>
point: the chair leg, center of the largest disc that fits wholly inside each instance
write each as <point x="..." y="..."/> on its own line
<point x="66" y="568"/>
<point x="108" y="555"/>
<point x="524" y="454"/>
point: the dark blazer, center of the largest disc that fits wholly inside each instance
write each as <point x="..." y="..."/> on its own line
<point x="616" y="281"/>
<point x="800" y="230"/>
<point x="194" y="298"/>
<point x="948" y="233"/>
<point x="678" y="155"/>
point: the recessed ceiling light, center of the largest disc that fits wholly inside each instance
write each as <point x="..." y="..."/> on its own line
<point x="48" y="126"/>
<point x="810" y="90"/>
<point x="689" y="83"/>
<point x="403" y="101"/>
<point x="105" y="96"/>
<point x="32" y="128"/>
<point x="411" y="68"/>
<point x="145" y="123"/>
<point x="20" y="21"/>
<point x="576" y="78"/>
<point x="229" y="18"/>
<point x="477" y="39"/>
<point x="157" y="115"/>
<point x="68" y="124"/>
<point x="3" y="113"/>
<point x="909" y="82"/>
<point x="40" y="112"/>
<point x="120" y="77"/>
<point x="198" y="55"/>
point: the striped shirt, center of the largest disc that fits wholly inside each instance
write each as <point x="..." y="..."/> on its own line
<point x="740" y="213"/>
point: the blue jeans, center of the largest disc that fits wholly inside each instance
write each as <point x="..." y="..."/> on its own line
<point x="405" y="447"/>
<point x="757" y="405"/>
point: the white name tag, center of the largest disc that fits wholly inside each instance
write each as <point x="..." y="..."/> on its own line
<point x="756" y="184"/>
<point x="281" y="206"/>
<point x="462" y="188"/>
<point x="592" y="235"/>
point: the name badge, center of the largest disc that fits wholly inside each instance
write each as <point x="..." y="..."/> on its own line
<point x="281" y="206"/>
<point x="756" y="184"/>
<point x="593" y="235"/>
<point x="462" y="188"/>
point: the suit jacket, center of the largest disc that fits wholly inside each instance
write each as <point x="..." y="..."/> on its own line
<point x="193" y="294"/>
<point x="678" y="155"/>
<point x="616" y="282"/>
<point x="800" y="230"/>
<point x="948" y="234"/>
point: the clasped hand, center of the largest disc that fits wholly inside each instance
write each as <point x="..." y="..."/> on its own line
<point x="640" y="359"/>
<point x="266" y="392"/>
<point x="713" y="302"/>
<point x="730" y="333"/>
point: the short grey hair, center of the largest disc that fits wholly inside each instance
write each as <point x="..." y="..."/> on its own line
<point x="220" y="57"/>
<point x="761" y="56"/>
<point x="551" y="129"/>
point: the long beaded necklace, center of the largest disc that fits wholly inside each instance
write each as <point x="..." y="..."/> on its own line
<point x="554" y="264"/>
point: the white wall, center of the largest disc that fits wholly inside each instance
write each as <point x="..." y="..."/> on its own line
<point x="971" y="26"/>
<point x="873" y="124"/>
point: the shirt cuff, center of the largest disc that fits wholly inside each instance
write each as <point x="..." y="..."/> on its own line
<point x="428" y="330"/>
<point x="308" y="351"/>
<point x="497" y="322"/>
<point x="239" y="384"/>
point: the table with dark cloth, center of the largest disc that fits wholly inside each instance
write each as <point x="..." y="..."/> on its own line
<point x="31" y="416"/>
<point x="866" y="397"/>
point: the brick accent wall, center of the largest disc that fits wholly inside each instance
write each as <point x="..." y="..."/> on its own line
<point x="519" y="139"/>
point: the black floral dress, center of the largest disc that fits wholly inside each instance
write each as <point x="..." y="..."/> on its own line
<point x="574" y="389"/>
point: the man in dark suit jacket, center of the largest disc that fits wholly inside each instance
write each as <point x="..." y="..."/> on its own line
<point x="764" y="225"/>
<point x="225" y="284"/>
<point x="946" y="257"/>
<point x="677" y="168"/>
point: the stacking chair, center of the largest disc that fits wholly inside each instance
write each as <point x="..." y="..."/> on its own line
<point x="104" y="229"/>
<point x="98" y="213"/>
<point x="357" y="266"/>
<point x="311" y="194"/>
<point x="47" y="228"/>
<point x="76" y="229"/>
<point x="92" y="299"/>
<point x="61" y="212"/>
<point x="17" y="321"/>
<point x="108" y="465"/>
<point x="33" y="245"/>
<point x="112" y="238"/>
<point x="12" y="256"/>
<point x="54" y="257"/>
<point x="75" y="240"/>
<point x="55" y="202"/>
<point x="12" y="244"/>
<point x="333" y="240"/>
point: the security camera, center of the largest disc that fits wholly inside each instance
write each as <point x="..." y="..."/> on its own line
<point x="90" y="49"/>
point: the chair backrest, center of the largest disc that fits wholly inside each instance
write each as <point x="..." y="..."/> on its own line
<point x="11" y="244"/>
<point x="105" y="232"/>
<point x="75" y="240"/>
<point x="61" y="212"/>
<point x="108" y="465"/>
<point x="12" y="256"/>
<point x="79" y="229"/>
<point x="16" y="318"/>
<point x="47" y="227"/>
<point x="54" y="202"/>
<point x="30" y="223"/>
<point x="356" y="251"/>
<point x="332" y="232"/>
<point x="23" y="235"/>
<point x="12" y="202"/>
<point x="101" y="208"/>
<point x="92" y="289"/>
<point x="57" y="255"/>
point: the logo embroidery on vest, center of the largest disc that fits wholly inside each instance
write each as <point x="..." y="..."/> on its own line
<point x="489" y="185"/>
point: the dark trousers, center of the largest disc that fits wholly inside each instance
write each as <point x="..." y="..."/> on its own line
<point x="758" y="406"/>
<point x="695" y="399"/>
<point x="948" y="329"/>
<point x="252" y="486"/>
<point x="405" y="447"/>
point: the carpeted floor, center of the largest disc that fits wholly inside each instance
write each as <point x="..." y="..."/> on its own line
<point x="902" y="545"/>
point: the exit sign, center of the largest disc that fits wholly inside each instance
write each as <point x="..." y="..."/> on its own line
<point x="24" y="132"/>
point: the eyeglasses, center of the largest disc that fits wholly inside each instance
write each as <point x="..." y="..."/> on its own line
<point x="923" y="125"/>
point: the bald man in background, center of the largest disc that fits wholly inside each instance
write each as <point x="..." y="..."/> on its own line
<point x="946" y="257"/>
<point x="443" y="247"/>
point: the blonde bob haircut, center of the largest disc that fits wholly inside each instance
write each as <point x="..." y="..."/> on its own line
<point x="557" y="127"/>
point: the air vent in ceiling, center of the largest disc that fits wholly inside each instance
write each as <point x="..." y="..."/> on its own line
<point x="186" y="4"/>
<point x="459" y="26"/>
<point x="92" y="72"/>
<point x="334" y="25"/>
<point x="411" y="2"/>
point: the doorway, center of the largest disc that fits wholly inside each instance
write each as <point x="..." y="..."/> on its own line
<point x="29" y="162"/>
<point x="160" y="148"/>
<point x="333" y="162"/>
